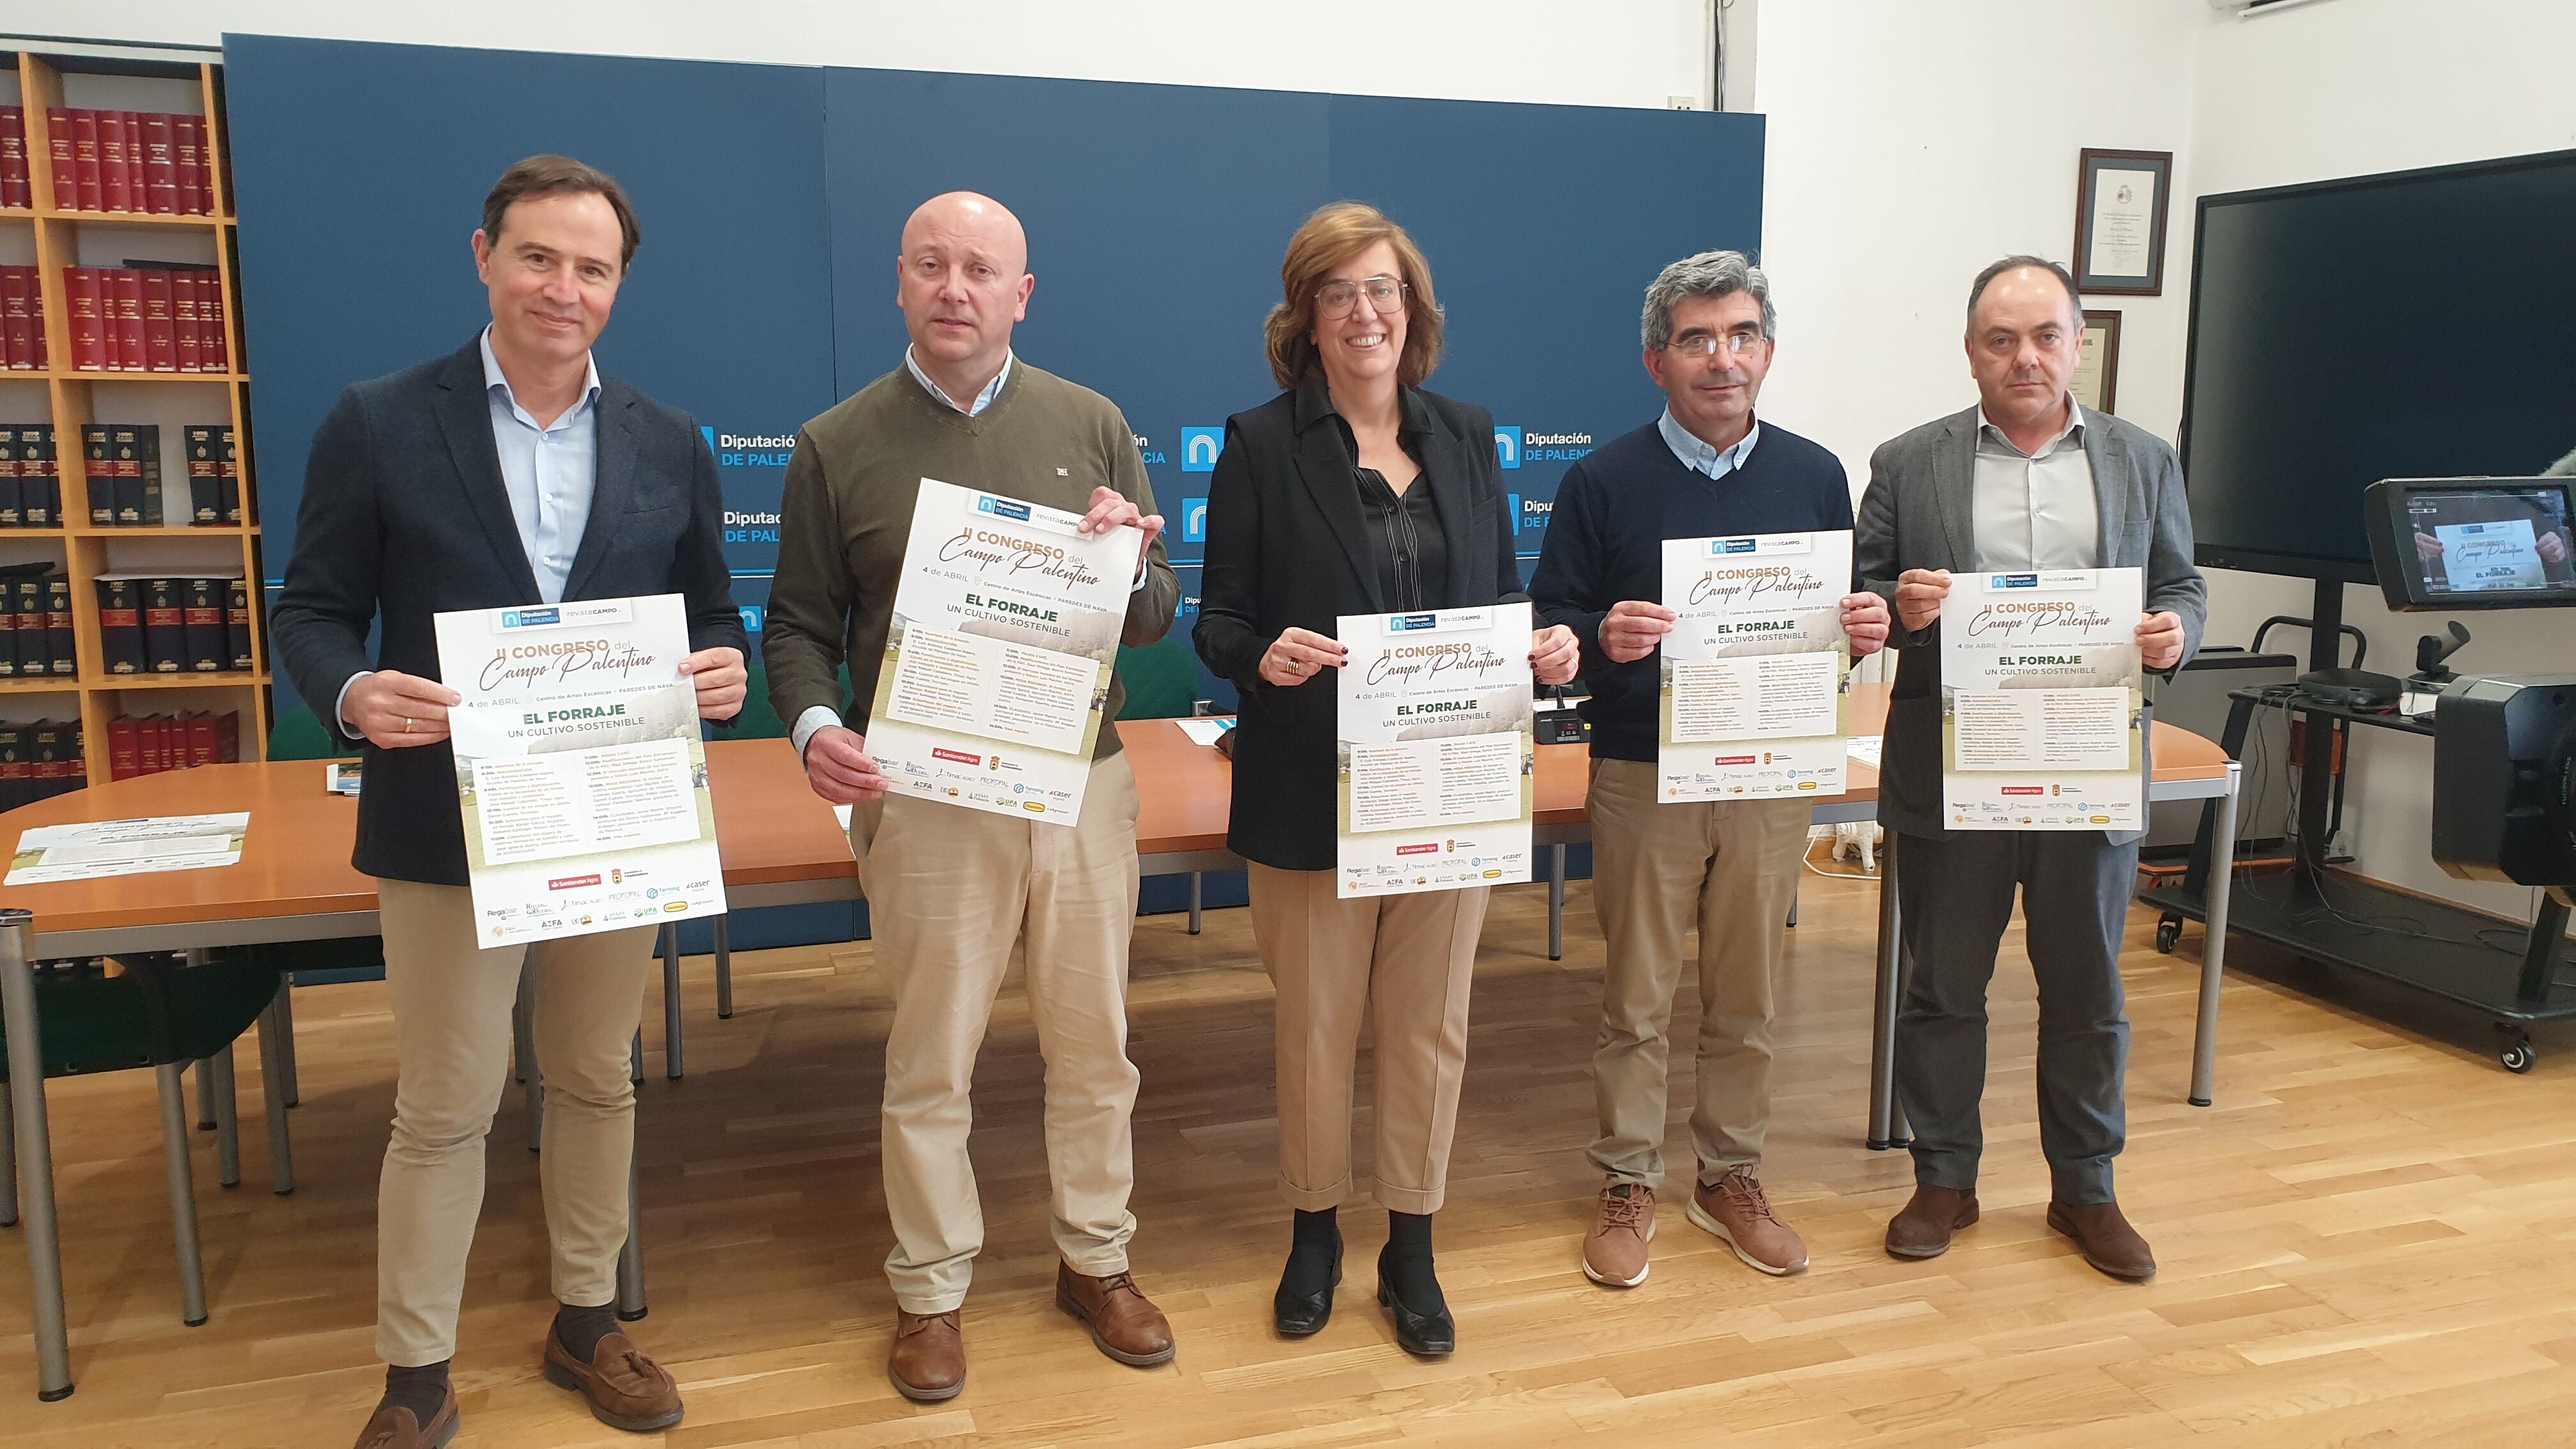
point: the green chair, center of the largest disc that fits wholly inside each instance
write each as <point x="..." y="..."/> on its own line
<point x="162" y="1015"/>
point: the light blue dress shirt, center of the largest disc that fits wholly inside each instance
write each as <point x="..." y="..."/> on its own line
<point x="1698" y="456"/>
<point x="549" y="473"/>
<point x="983" y="399"/>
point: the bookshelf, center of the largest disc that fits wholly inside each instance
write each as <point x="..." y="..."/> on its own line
<point x="56" y="236"/>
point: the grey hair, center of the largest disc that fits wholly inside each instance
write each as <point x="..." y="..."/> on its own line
<point x="1709" y="274"/>
<point x="1977" y="289"/>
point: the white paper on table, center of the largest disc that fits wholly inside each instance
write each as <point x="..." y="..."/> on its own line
<point x="2043" y="698"/>
<point x="1865" y="748"/>
<point x="995" y="683"/>
<point x="1204" y="731"/>
<point x="1756" y="668"/>
<point x="2504" y="554"/>
<point x="581" y="771"/>
<point x="1438" y="752"/>
<point x="142" y="846"/>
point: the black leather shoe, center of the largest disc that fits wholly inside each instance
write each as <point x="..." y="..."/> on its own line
<point x="1303" y="1315"/>
<point x="1424" y="1335"/>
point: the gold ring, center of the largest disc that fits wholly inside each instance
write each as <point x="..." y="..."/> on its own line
<point x="406" y="724"/>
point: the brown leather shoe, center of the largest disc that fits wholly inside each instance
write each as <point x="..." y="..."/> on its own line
<point x="928" y="1364"/>
<point x="1923" y="1229"/>
<point x="1623" y="1223"/>
<point x="1739" y="1213"/>
<point x="2105" y="1239"/>
<point x="399" y="1429"/>
<point x="1126" y="1326"/>
<point x="626" y="1390"/>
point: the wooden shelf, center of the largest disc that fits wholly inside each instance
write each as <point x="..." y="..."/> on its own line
<point x="83" y="375"/>
<point x="193" y="530"/>
<point x="8" y="533"/>
<point x="217" y="679"/>
<point x="126" y="218"/>
<point x="49" y="684"/>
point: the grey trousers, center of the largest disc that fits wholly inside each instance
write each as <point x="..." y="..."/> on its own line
<point x="1956" y="894"/>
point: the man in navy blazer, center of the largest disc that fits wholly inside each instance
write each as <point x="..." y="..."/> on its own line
<point x="508" y="473"/>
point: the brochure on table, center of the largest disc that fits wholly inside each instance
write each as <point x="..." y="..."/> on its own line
<point x="998" y="659"/>
<point x="2043" y="701"/>
<point x="580" y="770"/>
<point x="1438" y="770"/>
<point x="1756" y="671"/>
<point x="144" y="846"/>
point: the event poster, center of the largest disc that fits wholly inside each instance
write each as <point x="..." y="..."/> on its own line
<point x="1438" y="769"/>
<point x="997" y="667"/>
<point x="2043" y="701"/>
<point x="580" y="769"/>
<point x="2498" y="554"/>
<point x="1756" y="670"/>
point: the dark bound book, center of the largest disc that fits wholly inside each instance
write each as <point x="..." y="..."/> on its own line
<point x="165" y="637"/>
<point x="120" y="625"/>
<point x="205" y="479"/>
<point x="138" y="474"/>
<point x="27" y="612"/>
<point x="98" y="462"/>
<point x="10" y="513"/>
<point x="202" y="618"/>
<point x="40" y="471"/>
<point x="228" y="476"/>
<point x="60" y="661"/>
<point x="237" y="622"/>
<point x="17" y="773"/>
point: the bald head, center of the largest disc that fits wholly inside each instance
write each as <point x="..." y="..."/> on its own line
<point x="962" y="281"/>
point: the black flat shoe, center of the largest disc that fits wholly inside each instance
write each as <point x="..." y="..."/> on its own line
<point x="1303" y="1315"/>
<point x="1424" y="1335"/>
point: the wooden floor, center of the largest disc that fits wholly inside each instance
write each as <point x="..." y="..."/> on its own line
<point x="2367" y="1240"/>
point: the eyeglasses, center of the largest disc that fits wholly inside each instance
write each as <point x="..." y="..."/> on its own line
<point x="1733" y="344"/>
<point x="1336" y="299"/>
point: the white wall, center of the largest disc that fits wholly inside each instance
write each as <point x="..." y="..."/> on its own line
<point x="2345" y="88"/>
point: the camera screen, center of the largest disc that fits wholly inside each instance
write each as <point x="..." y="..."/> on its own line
<point x="2487" y="540"/>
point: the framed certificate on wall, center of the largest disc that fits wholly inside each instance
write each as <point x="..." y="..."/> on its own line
<point x="2097" y="369"/>
<point x="2120" y="201"/>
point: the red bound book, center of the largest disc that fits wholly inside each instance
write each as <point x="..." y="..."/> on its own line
<point x="15" y="189"/>
<point x="124" y="748"/>
<point x="17" y="319"/>
<point x="160" y="338"/>
<point x="132" y="351"/>
<point x="183" y="315"/>
<point x="187" y="153"/>
<point x="115" y="172"/>
<point x="89" y="169"/>
<point x="160" y="165"/>
<point x="90" y="349"/>
<point x="136" y="192"/>
<point x="205" y="741"/>
<point x="215" y="328"/>
<point x="58" y="147"/>
<point x="228" y="737"/>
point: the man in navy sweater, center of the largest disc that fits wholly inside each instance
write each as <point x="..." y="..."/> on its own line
<point x="1706" y="468"/>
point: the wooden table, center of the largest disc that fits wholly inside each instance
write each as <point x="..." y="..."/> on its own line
<point x="781" y="846"/>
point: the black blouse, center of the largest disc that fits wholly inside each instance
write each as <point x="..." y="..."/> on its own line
<point x="1412" y="552"/>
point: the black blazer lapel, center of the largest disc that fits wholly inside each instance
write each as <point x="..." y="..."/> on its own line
<point x="465" y="420"/>
<point x="1449" y="468"/>
<point x="612" y="484"/>
<point x="1325" y="467"/>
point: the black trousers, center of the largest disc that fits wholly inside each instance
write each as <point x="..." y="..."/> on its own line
<point x="1956" y="896"/>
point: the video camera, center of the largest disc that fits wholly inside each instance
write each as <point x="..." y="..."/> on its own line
<point x="2504" y="780"/>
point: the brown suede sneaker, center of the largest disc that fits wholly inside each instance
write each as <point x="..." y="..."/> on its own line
<point x="2105" y="1239"/>
<point x="1127" y="1327"/>
<point x="1738" y="1212"/>
<point x="1923" y="1227"/>
<point x="1614" y="1256"/>
<point x="928" y="1364"/>
<point x="398" y="1429"/>
<point x="626" y="1390"/>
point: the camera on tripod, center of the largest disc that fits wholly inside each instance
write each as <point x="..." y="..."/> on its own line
<point x="2504" y="780"/>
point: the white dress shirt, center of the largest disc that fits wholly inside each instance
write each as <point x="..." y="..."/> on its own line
<point x="2036" y="511"/>
<point x="1695" y="452"/>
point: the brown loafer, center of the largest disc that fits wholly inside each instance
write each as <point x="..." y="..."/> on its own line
<point x="928" y="1364"/>
<point x="1923" y="1229"/>
<point x="2105" y="1239"/>
<point x="400" y="1429"/>
<point x="1127" y="1327"/>
<point x="625" y="1389"/>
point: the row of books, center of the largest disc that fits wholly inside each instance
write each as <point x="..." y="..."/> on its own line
<point x="31" y="481"/>
<point x="166" y="624"/>
<point x="148" y="161"/>
<point x="147" y="317"/>
<point x="22" y="320"/>
<point x="152" y="743"/>
<point x="39" y="760"/>
<point x="36" y="624"/>
<point x="123" y="464"/>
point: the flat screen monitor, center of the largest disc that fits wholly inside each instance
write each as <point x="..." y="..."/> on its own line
<point x="2474" y="543"/>
<point x="2414" y="325"/>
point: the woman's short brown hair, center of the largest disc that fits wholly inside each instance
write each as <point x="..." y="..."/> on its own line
<point x="561" y="176"/>
<point x="1332" y="236"/>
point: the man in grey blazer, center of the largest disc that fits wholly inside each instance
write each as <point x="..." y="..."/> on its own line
<point x="509" y="472"/>
<point x="2027" y="479"/>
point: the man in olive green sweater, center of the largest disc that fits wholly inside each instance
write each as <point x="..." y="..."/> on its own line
<point x="950" y="889"/>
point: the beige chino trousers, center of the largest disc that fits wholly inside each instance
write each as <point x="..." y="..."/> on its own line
<point x="949" y="890"/>
<point x="451" y="1005"/>
<point x="1410" y="961"/>
<point x="1731" y="868"/>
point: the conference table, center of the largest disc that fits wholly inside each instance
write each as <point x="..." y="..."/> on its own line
<point x="782" y="846"/>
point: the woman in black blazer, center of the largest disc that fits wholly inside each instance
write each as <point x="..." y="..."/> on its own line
<point x="1352" y="492"/>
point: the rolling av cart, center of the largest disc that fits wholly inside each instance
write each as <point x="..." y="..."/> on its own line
<point x="2433" y="946"/>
